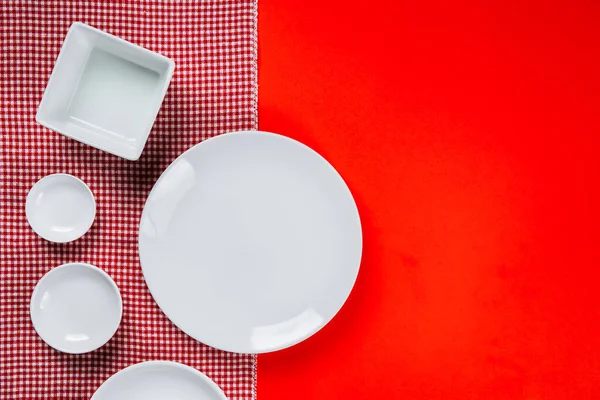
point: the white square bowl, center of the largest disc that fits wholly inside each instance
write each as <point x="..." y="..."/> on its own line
<point x="105" y="91"/>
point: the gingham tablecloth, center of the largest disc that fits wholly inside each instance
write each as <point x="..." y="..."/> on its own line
<point x="214" y="90"/>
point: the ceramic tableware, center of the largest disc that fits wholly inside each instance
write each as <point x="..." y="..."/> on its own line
<point x="105" y="91"/>
<point x="250" y="242"/>
<point x="60" y="208"/>
<point x="158" y="380"/>
<point x="76" y="308"/>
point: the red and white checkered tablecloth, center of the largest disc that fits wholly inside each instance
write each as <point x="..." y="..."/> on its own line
<point x="214" y="90"/>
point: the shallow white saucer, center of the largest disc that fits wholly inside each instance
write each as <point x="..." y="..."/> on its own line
<point x="60" y="208"/>
<point x="157" y="380"/>
<point x="76" y="308"/>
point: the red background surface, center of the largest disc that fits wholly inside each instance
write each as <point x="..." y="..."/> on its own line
<point x="468" y="133"/>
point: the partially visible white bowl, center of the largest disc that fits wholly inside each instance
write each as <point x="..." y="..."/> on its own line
<point x="60" y="208"/>
<point x="158" y="380"/>
<point x="76" y="308"/>
<point x="105" y="91"/>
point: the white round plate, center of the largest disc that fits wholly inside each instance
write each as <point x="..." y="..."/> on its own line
<point x="60" y="208"/>
<point x="250" y="242"/>
<point x="76" y="308"/>
<point x="159" y="380"/>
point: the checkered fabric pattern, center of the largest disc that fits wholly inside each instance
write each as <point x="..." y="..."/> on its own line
<point x="214" y="90"/>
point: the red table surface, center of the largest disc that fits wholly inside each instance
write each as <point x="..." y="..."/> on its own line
<point x="468" y="133"/>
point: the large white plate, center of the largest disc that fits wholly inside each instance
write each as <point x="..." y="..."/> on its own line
<point x="250" y="242"/>
<point x="159" y="380"/>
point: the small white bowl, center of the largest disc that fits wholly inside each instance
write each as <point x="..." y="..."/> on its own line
<point x="105" y="91"/>
<point x="76" y="308"/>
<point x="60" y="208"/>
<point x="159" y="380"/>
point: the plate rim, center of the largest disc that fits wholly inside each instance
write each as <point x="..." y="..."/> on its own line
<point x="325" y="322"/>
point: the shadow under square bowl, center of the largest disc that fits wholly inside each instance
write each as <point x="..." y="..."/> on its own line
<point x="105" y="91"/>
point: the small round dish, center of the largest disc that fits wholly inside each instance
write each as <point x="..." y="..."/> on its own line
<point x="60" y="208"/>
<point x="157" y="380"/>
<point x="76" y="308"/>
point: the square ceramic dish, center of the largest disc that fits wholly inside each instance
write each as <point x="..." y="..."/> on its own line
<point x="105" y="91"/>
